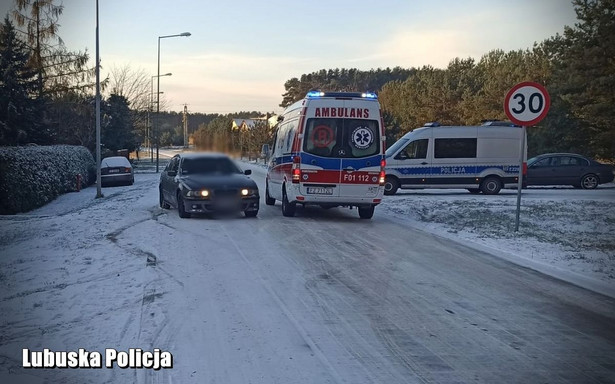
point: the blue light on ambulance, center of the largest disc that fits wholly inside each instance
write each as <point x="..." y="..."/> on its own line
<point x="369" y="95"/>
<point x="315" y="94"/>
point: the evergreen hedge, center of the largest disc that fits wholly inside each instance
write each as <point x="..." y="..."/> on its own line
<point x="32" y="176"/>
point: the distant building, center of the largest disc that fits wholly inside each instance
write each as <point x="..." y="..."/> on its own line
<point x="248" y="124"/>
<point x="243" y="124"/>
<point x="272" y="121"/>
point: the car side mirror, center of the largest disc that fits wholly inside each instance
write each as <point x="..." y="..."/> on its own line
<point x="247" y="172"/>
<point x="172" y="173"/>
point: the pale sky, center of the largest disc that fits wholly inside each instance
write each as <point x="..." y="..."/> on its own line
<point x="242" y="52"/>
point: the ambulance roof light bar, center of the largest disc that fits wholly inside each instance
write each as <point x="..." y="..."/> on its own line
<point x="315" y="94"/>
<point x="363" y="95"/>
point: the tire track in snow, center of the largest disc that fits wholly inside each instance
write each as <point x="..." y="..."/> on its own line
<point x="302" y="332"/>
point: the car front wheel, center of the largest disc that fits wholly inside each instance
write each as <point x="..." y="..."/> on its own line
<point x="181" y="209"/>
<point x="163" y="204"/>
<point x="250" y="213"/>
<point x="589" y="181"/>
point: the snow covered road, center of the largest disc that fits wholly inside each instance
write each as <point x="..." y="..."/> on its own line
<point x="320" y="298"/>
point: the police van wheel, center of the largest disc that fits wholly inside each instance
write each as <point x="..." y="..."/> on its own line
<point x="491" y="186"/>
<point x="366" y="212"/>
<point x="391" y="185"/>
<point x="268" y="199"/>
<point x="288" y="208"/>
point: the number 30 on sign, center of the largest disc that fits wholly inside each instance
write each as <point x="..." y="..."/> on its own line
<point x="527" y="103"/>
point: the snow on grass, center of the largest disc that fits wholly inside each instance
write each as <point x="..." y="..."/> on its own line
<point x="572" y="234"/>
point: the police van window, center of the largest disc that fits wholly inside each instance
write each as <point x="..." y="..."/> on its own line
<point x="352" y="138"/>
<point x="454" y="148"/>
<point x="417" y="149"/>
<point x="393" y="148"/>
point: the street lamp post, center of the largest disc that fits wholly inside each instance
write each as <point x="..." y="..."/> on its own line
<point x="149" y="108"/>
<point x="98" y="180"/>
<point x="149" y="123"/>
<point x="184" y="34"/>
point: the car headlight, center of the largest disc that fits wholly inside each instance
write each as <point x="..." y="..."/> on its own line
<point x="198" y="193"/>
<point x="248" y="192"/>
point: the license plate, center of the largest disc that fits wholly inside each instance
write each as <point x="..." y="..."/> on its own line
<point x="227" y="203"/>
<point x="319" y="191"/>
<point x="114" y="171"/>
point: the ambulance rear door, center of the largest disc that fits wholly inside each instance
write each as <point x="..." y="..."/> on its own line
<point x="361" y="153"/>
<point x="320" y="167"/>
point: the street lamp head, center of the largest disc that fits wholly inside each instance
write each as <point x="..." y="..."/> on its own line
<point x="186" y="34"/>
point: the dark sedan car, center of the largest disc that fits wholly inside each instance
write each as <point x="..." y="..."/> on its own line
<point x="207" y="182"/>
<point x="567" y="169"/>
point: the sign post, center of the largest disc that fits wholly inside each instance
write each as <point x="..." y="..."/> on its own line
<point x="525" y="104"/>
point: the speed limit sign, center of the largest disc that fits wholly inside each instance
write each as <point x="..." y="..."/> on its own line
<point x="527" y="103"/>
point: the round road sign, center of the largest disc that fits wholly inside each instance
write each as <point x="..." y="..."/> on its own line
<point x="527" y="103"/>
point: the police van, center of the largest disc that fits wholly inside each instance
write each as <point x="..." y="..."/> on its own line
<point x="483" y="158"/>
<point x="328" y="150"/>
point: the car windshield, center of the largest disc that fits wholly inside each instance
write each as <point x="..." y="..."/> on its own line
<point x="209" y="165"/>
<point x="395" y="147"/>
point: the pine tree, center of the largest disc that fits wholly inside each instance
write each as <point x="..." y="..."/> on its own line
<point x="17" y="85"/>
<point x="118" y="132"/>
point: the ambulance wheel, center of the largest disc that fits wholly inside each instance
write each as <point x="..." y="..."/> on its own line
<point x="288" y="208"/>
<point x="268" y="199"/>
<point x="391" y="185"/>
<point x="366" y="212"/>
<point x="491" y="185"/>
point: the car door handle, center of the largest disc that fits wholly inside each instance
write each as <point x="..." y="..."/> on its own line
<point x="424" y="163"/>
<point x="349" y="169"/>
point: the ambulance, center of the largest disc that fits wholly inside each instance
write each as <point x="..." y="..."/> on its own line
<point x="483" y="158"/>
<point x="328" y="150"/>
